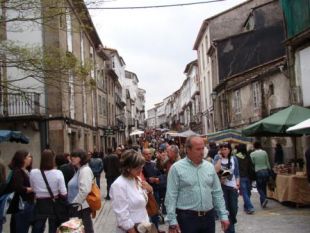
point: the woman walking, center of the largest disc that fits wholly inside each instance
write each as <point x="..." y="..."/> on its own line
<point x="129" y="193"/>
<point x="80" y="186"/>
<point x="44" y="202"/>
<point x="226" y="165"/>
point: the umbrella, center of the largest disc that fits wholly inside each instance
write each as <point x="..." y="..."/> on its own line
<point x="187" y="133"/>
<point x="13" y="136"/>
<point x="277" y="123"/>
<point x="136" y="132"/>
<point x="301" y="128"/>
<point x="228" y="135"/>
<point x="172" y="133"/>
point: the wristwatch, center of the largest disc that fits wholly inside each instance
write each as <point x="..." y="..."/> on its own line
<point x="173" y="227"/>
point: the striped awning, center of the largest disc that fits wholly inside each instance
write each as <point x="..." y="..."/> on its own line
<point x="229" y="135"/>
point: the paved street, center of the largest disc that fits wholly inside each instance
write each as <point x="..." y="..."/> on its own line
<point x="276" y="218"/>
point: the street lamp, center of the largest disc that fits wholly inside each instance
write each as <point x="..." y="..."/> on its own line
<point x="213" y="95"/>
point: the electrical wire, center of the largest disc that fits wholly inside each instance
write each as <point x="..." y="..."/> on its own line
<point x="154" y="6"/>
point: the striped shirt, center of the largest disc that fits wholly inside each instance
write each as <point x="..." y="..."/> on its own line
<point x="192" y="187"/>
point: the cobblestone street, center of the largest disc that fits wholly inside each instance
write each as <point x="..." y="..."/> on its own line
<point x="276" y="218"/>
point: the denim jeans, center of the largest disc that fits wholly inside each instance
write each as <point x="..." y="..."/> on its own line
<point x="24" y="218"/>
<point x="98" y="180"/>
<point x="231" y="202"/>
<point x="245" y="188"/>
<point x="262" y="177"/>
<point x="190" y="223"/>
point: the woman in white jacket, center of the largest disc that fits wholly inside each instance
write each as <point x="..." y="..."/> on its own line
<point x="129" y="194"/>
<point x="80" y="186"/>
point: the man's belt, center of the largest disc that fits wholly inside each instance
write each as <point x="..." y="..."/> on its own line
<point x="193" y="212"/>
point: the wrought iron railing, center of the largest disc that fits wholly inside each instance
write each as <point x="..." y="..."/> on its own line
<point x="19" y="104"/>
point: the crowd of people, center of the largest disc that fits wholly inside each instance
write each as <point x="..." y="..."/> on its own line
<point x="193" y="184"/>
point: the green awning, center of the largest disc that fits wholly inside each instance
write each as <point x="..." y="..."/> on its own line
<point x="277" y="123"/>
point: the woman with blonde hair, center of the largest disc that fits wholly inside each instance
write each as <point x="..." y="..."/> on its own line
<point x="129" y="193"/>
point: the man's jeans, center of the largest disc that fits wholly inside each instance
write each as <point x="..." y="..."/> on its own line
<point x="245" y="188"/>
<point x="190" y="223"/>
<point x="262" y="177"/>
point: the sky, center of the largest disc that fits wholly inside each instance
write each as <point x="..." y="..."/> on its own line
<point x="157" y="43"/>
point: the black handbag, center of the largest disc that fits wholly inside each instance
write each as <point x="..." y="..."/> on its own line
<point x="60" y="205"/>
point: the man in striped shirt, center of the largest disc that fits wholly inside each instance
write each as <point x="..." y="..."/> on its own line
<point x="194" y="193"/>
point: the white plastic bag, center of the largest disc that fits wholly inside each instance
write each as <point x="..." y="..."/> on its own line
<point x="74" y="225"/>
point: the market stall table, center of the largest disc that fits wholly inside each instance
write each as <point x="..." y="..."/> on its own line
<point x="291" y="188"/>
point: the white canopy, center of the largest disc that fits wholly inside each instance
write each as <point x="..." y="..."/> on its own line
<point x="301" y="128"/>
<point x="188" y="133"/>
<point x="136" y="132"/>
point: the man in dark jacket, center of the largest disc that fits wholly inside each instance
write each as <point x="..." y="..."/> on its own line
<point x="111" y="167"/>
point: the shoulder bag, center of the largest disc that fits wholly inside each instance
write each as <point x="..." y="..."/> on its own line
<point x="60" y="205"/>
<point x="94" y="198"/>
<point x="152" y="206"/>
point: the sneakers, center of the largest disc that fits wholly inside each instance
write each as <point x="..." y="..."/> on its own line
<point x="250" y="211"/>
<point x="264" y="204"/>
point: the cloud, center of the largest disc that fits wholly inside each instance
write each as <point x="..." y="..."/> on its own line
<point x="156" y="44"/>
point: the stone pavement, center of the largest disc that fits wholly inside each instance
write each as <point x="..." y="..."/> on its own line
<point x="276" y="218"/>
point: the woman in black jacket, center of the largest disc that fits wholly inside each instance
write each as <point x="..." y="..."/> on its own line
<point x="22" y="204"/>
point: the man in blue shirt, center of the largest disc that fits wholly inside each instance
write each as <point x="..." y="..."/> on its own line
<point x="194" y="193"/>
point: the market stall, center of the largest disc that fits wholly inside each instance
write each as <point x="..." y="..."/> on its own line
<point x="291" y="184"/>
<point x="291" y="188"/>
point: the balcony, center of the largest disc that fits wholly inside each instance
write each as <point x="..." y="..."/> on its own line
<point x="19" y="104"/>
<point x="119" y="101"/>
<point x="131" y="122"/>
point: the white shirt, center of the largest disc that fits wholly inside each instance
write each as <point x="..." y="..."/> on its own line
<point x="128" y="203"/>
<point x="55" y="180"/>
<point x="229" y="182"/>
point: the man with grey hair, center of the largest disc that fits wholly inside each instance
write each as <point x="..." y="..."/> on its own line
<point x="194" y="193"/>
<point x="173" y="156"/>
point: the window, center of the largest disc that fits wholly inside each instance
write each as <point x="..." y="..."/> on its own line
<point x="100" y="105"/>
<point x="250" y="23"/>
<point x="256" y="95"/>
<point x="69" y="31"/>
<point x="71" y="96"/>
<point x="237" y="102"/>
<point x="203" y="56"/>
<point x="82" y="48"/>
<point x="207" y="47"/>
<point x="91" y="57"/>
